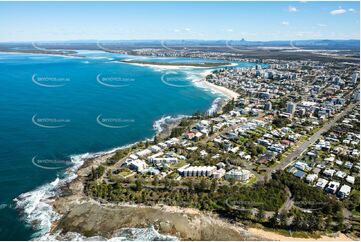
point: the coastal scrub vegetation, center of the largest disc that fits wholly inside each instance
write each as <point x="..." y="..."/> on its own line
<point x="181" y="128"/>
<point x="229" y="106"/>
<point x="262" y="203"/>
<point x="204" y="194"/>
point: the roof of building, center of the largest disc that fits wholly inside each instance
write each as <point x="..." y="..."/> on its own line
<point x="299" y="174"/>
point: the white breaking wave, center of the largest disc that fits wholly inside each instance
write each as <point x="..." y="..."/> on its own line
<point x="99" y="58"/>
<point x="35" y="205"/>
<point x="37" y="210"/>
<point x="198" y="80"/>
<point x="160" y="124"/>
<point x="126" y="234"/>
<point x="215" y="106"/>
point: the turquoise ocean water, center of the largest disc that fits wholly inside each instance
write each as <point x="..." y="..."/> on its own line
<point x="54" y="107"/>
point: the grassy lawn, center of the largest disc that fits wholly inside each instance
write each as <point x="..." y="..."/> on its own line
<point x="252" y="181"/>
<point x="179" y="164"/>
<point x="125" y="172"/>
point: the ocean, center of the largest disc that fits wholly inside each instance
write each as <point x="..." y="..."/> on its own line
<point x="55" y="110"/>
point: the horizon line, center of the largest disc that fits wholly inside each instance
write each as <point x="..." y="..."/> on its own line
<point x="105" y="40"/>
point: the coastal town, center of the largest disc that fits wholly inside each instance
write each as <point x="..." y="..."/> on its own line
<point x="180" y="120"/>
<point x="292" y="122"/>
<point x="275" y="157"/>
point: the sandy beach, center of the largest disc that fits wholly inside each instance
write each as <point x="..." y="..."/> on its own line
<point x="224" y="91"/>
<point x="278" y="237"/>
<point x="82" y="214"/>
<point x="201" y="83"/>
<point x="229" y="94"/>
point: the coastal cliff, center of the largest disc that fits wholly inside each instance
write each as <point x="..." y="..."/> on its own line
<point x="83" y="215"/>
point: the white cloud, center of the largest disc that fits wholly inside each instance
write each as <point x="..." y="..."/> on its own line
<point x="338" y="11"/>
<point x="285" y="23"/>
<point x="229" y="30"/>
<point x="292" y="9"/>
<point x="187" y="29"/>
<point x="352" y="10"/>
<point x="322" y="25"/>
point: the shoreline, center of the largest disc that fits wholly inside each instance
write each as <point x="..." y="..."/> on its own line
<point x="164" y="67"/>
<point x="73" y="211"/>
<point x="107" y="219"/>
<point x="47" y="201"/>
<point x="219" y="89"/>
<point x="79" y="215"/>
<point x="279" y="237"/>
<point x="49" y="53"/>
<point x="72" y="208"/>
<point x="203" y="83"/>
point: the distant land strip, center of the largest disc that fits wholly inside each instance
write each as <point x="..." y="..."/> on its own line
<point x="214" y="64"/>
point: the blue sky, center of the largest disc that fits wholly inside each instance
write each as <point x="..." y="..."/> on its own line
<point x="44" y="21"/>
